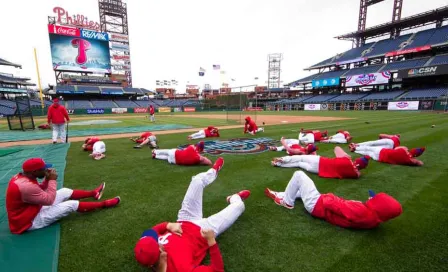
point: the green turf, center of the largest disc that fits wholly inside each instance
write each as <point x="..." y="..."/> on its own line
<point x="267" y="237"/>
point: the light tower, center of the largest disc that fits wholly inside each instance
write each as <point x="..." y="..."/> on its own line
<point x="274" y="70"/>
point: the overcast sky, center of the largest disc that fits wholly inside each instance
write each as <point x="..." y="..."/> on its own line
<point x="171" y="39"/>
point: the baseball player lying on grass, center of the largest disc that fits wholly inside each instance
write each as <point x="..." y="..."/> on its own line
<point x="293" y="147"/>
<point x="342" y="137"/>
<point x="385" y="141"/>
<point x="146" y="138"/>
<point x="400" y="155"/>
<point x="188" y="156"/>
<point x="208" y="132"/>
<point x="97" y="147"/>
<point x="182" y="246"/>
<point x="311" y="136"/>
<point x="344" y="213"/>
<point x="32" y="205"/>
<point x="340" y="167"/>
<point x="250" y="126"/>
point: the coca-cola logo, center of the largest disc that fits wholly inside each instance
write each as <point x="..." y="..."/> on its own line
<point x="62" y="30"/>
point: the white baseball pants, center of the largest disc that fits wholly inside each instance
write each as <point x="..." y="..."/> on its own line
<point x="372" y="151"/>
<point x="307" y="138"/>
<point x="198" y="135"/>
<point x="58" y="131"/>
<point x="384" y="143"/>
<point x="289" y="142"/>
<point x="308" y="163"/>
<point x="61" y="207"/>
<point x="152" y="117"/>
<point x="99" y="148"/>
<point x="336" y="139"/>
<point x="191" y="209"/>
<point x="166" y="154"/>
<point x="300" y="186"/>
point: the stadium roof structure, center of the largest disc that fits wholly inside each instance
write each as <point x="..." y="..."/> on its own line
<point x="8" y="63"/>
<point x="436" y="16"/>
<point x="15" y="80"/>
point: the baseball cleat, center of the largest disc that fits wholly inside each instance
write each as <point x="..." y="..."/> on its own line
<point x="279" y="201"/>
<point x="218" y="164"/>
<point x="269" y="193"/>
<point x="99" y="191"/>
<point x="137" y="146"/>
<point x="110" y="203"/>
<point x="244" y="194"/>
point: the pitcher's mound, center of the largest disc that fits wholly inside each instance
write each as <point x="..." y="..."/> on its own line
<point x="94" y="122"/>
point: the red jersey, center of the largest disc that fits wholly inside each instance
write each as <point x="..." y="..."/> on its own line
<point x="396" y="141"/>
<point x="346" y="133"/>
<point x="151" y="110"/>
<point x="396" y="156"/>
<point x="299" y="147"/>
<point x="185" y="253"/>
<point x="210" y="133"/>
<point x="145" y="135"/>
<point x="337" y="168"/>
<point x="90" y="143"/>
<point x="355" y="214"/>
<point x="24" y="199"/>
<point x="250" y="126"/>
<point x="187" y="156"/>
<point x="317" y="136"/>
<point x="57" y="114"/>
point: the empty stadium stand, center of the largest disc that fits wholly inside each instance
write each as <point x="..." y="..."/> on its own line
<point x="382" y="96"/>
<point x="430" y="93"/>
<point x="320" y="98"/>
<point x="348" y="97"/>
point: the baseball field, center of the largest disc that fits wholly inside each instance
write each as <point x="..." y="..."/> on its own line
<point x="266" y="237"/>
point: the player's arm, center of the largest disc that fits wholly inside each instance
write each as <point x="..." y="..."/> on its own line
<point x="34" y="194"/>
<point x="246" y="125"/>
<point x="417" y="162"/>
<point x="340" y="153"/>
<point x="50" y="109"/>
<point x="216" y="262"/>
<point x="205" y="161"/>
<point x="66" y="115"/>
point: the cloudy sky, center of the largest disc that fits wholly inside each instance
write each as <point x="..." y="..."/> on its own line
<point x="171" y="39"/>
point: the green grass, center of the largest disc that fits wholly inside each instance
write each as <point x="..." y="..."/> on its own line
<point x="267" y="237"/>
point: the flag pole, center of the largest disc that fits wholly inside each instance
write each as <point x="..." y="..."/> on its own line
<point x="38" y="81"/>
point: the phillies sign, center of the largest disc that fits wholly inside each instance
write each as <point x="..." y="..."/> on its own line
<point x="64" y="30"/>
<point x="63" y="17"/>
<point x="94" y="35"/>
<point x="121" y="57"/>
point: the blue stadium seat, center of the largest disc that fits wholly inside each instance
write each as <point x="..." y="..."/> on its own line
<point x="442" y="59"/>
<point x="126" y="103"/>
<point x="382" y="96"/>
<point x="348" y="97"/>
<point x="320" y="98"/>
<point x="88" y="88"/>
<point x="363" y="70"/>
<point x="407" y="64"/>
<point x="331" y="74"/>
<point x="389" y="45"/>
<point x="104" y="104"/>
<point x="421" y="38"/>
<point x="428" y="93"/>
<point x="440" y="36"/>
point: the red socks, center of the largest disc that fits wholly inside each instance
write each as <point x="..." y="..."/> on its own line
<point x="90" y="206"/>
<point x="80" y="194"/>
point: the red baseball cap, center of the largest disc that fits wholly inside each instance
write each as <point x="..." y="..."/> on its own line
<point x="55" y="100"/>
<point x="147" y="248"/>
<point x="362" y="162"/>
<point x="35" y="164"/>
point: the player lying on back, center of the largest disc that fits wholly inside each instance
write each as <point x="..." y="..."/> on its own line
<point x="293" y="147"/>
<point x="385" y="141"/>
<point x="342" y="137"/>
<point x="188" y="156"/>
<point x="400" y="155"/>
<point x="181" y="246"/>
<point x="311" y="136"/>
<point x="146" y="138"/>
<point x="208" y="132"/>
<point x="379" y="208"/>
<point x="250" y="126"/>
<point x="32" y="205"/>
<point x="340" y="167"/>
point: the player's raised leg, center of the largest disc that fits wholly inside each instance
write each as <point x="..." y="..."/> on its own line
<point x="309" y="163"/>
<point x="336" y="139"/>
<point x="372" y="151"/>
<point x="385" y="143"/>
<point x="198" y="135"/>
<point x="161" y="154"/>
<point x="306" y="138"/>
<point x="191" y="209"/>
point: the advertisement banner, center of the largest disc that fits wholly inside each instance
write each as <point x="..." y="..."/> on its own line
<point x="95" y="111"/>
<point x="89" y="34"/>
<point x="254" y="109"/>
<point x="79" y="54"/>
<point x="368" y="79"/>
<point x="177" y="109"/>
<point x="426" y="105"/>
<point x="408" y="51"/>
<point x="121" y="67"/>
<point x="140" y="110"/>
<point x="119" y="110"/>
<point x="325" y="82"/>
<point x="121" y="57"/>
<point x="424" y="71"/>
<point x="118" y="37"/>
<point x="164" y="109"/>
<point x="189" y="109"/>
<point x="120" y="46"/>
<point x="403" y="105"/>
<point x="64" y="30"/>
<point x="70" y="112"/>
<point x="312" y="107"/>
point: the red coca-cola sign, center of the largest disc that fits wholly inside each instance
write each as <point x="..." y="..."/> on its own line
<point x="63" y="30"/>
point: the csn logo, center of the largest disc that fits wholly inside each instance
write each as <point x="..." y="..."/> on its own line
<point x="88" y="34"/>
<point x="239" y="146"/>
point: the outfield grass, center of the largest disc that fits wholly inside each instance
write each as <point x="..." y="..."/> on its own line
<point x="267" y="237"/>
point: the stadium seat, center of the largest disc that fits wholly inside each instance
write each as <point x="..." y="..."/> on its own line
<point x="442" y="59"/>
<point x="400" y="65"/>
<point x="381" y="96"/>
<point x="429" y="93"/>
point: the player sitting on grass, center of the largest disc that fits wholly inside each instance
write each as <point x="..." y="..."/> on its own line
<point x="182" y="246"/>
<point x="344" y="213"/>
<point x="342" y="137"/>
<point x="32" y="205"/>
<point x="250" y="126"/>
<point x="385" y="141"/>
<point x="400" y="155"/>
<point x="188" y="156"/>
<point x="208" y="132"/>
<point x="340" y="167"/>
<point x="146" y="138"/>
<point x="293" y="147"/>
<point x="311" y="136"/>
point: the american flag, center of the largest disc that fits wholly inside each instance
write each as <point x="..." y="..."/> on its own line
<point x="216" y="66"/>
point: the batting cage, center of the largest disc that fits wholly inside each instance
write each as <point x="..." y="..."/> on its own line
<point x="22" y="119"/>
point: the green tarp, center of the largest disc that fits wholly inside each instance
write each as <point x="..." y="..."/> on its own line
<point x="37" y="250"/>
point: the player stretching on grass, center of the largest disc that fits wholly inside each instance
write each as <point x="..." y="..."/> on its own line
<point x="32" y="205"/>
<point x="400" y="155"/>
<point x="311" y="136"/>
<point x="97" y="147"/>
<point x="340" y="167"/>
<point x="385" y="141"/>
<point x="344" y="213"/>
<point x="293" y="147"/>
<point x="183" y="245"/>
<point x="188" y="156"/>
<point x="342" y="137"/>
<point x="146" y="138"/>
<point x="208" y="132"/>
<point x="250" y="126"/>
